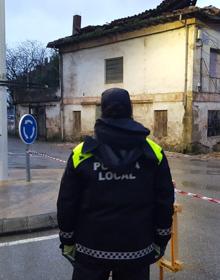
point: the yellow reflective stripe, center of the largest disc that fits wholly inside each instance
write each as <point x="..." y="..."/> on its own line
<point x="156" y="148"/>
<point x="78" y="156"/>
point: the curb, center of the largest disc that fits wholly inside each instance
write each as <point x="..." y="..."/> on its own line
<point x="28" y="224"/>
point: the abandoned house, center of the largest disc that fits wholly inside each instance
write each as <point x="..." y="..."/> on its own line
<point x="36" y="91"/>
<point x="168" y="59"/>
<point x="44" y="105"/>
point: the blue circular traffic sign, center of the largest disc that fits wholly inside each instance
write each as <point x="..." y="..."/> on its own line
<point x="28" y="129"/>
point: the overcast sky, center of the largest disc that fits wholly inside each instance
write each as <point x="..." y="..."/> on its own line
<point x="47" y="20"/>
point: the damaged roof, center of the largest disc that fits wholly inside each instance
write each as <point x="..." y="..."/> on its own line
<point x="167" y="11"/>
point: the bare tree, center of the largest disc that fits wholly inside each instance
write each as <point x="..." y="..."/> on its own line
<point x="29" y="66"/>
<point x="23" y="60"/>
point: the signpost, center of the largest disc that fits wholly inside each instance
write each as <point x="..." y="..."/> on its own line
<point x="3" y="100"/>
<point x="28" y="134"/>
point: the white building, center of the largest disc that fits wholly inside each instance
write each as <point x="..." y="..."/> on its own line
<point x="167" y="58"/>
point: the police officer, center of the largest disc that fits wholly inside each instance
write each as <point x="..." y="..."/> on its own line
<point x="115" y="203"/>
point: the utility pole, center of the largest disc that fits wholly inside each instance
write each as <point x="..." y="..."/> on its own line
<point x="3" y="99"/>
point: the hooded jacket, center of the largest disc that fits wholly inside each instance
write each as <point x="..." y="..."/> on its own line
<point x="116" y="195"/>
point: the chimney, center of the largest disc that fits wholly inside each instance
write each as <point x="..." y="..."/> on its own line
<point x="76" y="24"/>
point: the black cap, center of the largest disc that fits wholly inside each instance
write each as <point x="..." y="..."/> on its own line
<point x="116" y="103"/>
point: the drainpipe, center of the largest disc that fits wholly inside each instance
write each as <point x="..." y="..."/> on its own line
<point x="186" y="64"/>
<point x="200" y="87"/>
<point x="200" y="45"/>
<point x="187" y="120"/>
<point x="61" y="103"/>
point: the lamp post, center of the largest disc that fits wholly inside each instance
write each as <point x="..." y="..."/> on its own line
<point x="3" y="99"/>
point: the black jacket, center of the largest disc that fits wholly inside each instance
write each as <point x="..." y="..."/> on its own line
<point x="116" y="197"/>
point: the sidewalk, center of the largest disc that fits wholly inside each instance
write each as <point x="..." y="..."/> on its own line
<point x="29" y="206"/>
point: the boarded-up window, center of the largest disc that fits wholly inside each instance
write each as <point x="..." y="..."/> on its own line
<point x="77" y="121"/>
<point x="114" y="70"/>
<point x="214" y="68"/>
<point x="160" y="123"/>
<point x="213" y="123"/>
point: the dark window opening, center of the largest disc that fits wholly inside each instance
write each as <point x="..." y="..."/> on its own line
<point x="214" y="68"/>
<point x="160" y="123"/>
<point x="213" y="123"/>
<point x="114" y="70"/>
<point x="39" y="112"/>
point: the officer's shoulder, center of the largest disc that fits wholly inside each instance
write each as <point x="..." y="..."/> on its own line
<point x="87" y="146"/>
<point x="78" y="148"/>
<point x="157" y="149"/>
<point x="153" y="144"/>
<point x="83" y="151"/>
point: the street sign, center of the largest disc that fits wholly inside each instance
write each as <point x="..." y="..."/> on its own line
<point x="28" y="129"/>
<point x="28" y="134"/>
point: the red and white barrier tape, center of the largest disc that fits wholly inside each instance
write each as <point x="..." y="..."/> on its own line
<point x="45" y="156"/>
<point x="198" y="196"/>
<point x="176" y="190"/>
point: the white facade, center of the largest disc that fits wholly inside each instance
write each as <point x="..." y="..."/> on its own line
<point x="165" y="68"/>
<point x="152" y="64"/>
<point x="153" y="73"/>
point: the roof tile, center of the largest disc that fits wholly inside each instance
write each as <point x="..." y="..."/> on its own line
<point x="168" y="10"/>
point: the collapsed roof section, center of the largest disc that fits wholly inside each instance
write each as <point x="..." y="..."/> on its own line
<point x="167" y="11"/>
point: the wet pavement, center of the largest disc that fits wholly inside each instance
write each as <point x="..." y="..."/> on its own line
<point x="198" y="239"/>
<point x="199" y="225"/>
<point x="19" y="198"/>
<point x="34" y="260"/>
<point x="197" y="176"/>
<point x="16" y="154"/>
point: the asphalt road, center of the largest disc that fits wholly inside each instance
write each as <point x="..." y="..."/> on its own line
<point x="16" y="154"/>
<point x="198" y="239"/>
<point x="39" y="260"/>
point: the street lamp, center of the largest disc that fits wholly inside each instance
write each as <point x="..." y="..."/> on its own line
<point x="3" y="99"/>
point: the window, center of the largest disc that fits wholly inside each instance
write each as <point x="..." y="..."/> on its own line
<point x="114" y="70"/>
<point x="77" y="121"/>
<point x="213" y="123"/>
<point x="160" y="123"/>
<point x="214" y="68"/>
